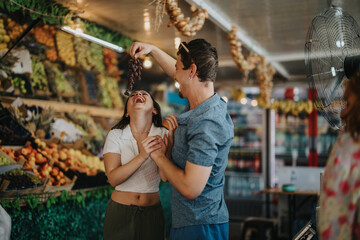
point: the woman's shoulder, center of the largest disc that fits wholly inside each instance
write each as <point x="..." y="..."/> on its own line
<point x="115" y="132"/>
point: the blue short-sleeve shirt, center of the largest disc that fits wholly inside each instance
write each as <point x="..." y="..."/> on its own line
<point x="203" y="137"/>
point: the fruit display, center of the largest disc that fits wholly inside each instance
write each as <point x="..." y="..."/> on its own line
<point x="14" y="29"/>
<point x="97" y="58"/>
<point x="113" y="89"/>
<point x="65" y="46"/>
<point x="39" y="161"/>
<point x="83" y="55"/>
<point x="92" y="162"/>
<point x="86" y="122"/>
<point x="45" y="35"/>
<point x="18" y="83"/>
<point x="57" y="80"/>
<point x="4" y="38"/>
<point x="111" y="62"/>
<point x="104" y="92"/>
<point x="20" y="179"/>
<point x="135" y="67"/>
<point x="5" y="161"/>
<point x="38" y="76"/>
<point x="51" y="54"/>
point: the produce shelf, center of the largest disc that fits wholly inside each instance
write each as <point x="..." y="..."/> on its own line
<point x="67" y="107"/>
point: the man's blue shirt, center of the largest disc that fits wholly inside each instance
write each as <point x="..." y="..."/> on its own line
<point x="203" y="137"/>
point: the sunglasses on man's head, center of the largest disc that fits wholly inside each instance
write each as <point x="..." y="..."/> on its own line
<point x="183" y="45"/>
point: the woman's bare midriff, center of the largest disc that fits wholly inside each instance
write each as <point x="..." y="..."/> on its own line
<point x="138" y="199"/>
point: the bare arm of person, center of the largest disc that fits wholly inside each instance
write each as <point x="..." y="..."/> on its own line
<point x="171" y="123"/>
<point x="190" y="182"/>
<point x="166" y="62"/>
<point x="118" y="173"/>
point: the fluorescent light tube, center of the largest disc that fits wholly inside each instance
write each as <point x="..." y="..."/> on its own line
<point x="92" y="39"/>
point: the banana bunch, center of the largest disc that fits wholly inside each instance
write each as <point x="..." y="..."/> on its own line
<point x="65" y="46"/>
<point x="288" y="106"/>
<point x="188" y="27"/>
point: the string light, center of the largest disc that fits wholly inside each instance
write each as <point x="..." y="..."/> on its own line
<point x="147" y="62"/>
<point x="177" y="42"/>
<point x="254" y="103"/>
<point x="146" y="20"/>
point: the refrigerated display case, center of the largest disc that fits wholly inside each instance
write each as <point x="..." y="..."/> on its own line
<point x="244" y="175"/>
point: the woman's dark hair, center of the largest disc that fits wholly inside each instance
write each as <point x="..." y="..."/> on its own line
<point x="156" y="119"/>
<point x="352" y="118"/>
<point x="203" y="55"/>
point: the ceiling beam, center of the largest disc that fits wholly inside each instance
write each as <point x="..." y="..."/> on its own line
<point x="218" y="18"/>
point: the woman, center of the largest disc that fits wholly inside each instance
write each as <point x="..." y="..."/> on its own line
<point x="135" y="211"/>
<point x="340" y="195"/>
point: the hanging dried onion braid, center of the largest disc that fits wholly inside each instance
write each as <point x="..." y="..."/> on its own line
<point x="264" y="71"/>
<point x="188" y="27"/>
<point x="243" y="63"/>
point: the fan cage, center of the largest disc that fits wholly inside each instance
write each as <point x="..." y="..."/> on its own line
<point x="332" y="36"/>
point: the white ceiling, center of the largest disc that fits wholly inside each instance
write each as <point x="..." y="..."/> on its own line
<point x="275" y="29"/>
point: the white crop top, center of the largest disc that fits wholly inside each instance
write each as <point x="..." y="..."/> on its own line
<point x="146" y="179"/>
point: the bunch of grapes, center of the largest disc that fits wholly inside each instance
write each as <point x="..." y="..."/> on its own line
<point x="135" y="67"/>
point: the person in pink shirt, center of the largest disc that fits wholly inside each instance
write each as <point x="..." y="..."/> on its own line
<point x="339" y="217"/>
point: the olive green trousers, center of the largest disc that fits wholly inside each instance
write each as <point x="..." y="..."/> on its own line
<point x="123" y="222"/>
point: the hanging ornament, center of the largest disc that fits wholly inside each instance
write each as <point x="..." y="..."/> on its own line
<point x="188" y="27"/>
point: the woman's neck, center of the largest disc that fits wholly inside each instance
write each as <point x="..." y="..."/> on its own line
<point x="140" y="124"/>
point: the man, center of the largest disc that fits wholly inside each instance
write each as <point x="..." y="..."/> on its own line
<point x="201" y="142"/>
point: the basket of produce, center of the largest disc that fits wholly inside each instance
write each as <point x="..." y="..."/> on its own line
<point x="18" y="182"/>
<point x="58" y="182"/>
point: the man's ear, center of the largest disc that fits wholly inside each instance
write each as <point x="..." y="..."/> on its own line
<point x="193" y="69"/>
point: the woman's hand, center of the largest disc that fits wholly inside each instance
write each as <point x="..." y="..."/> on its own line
<point x="159" y="151"/>
<point x="149" y="145"/>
